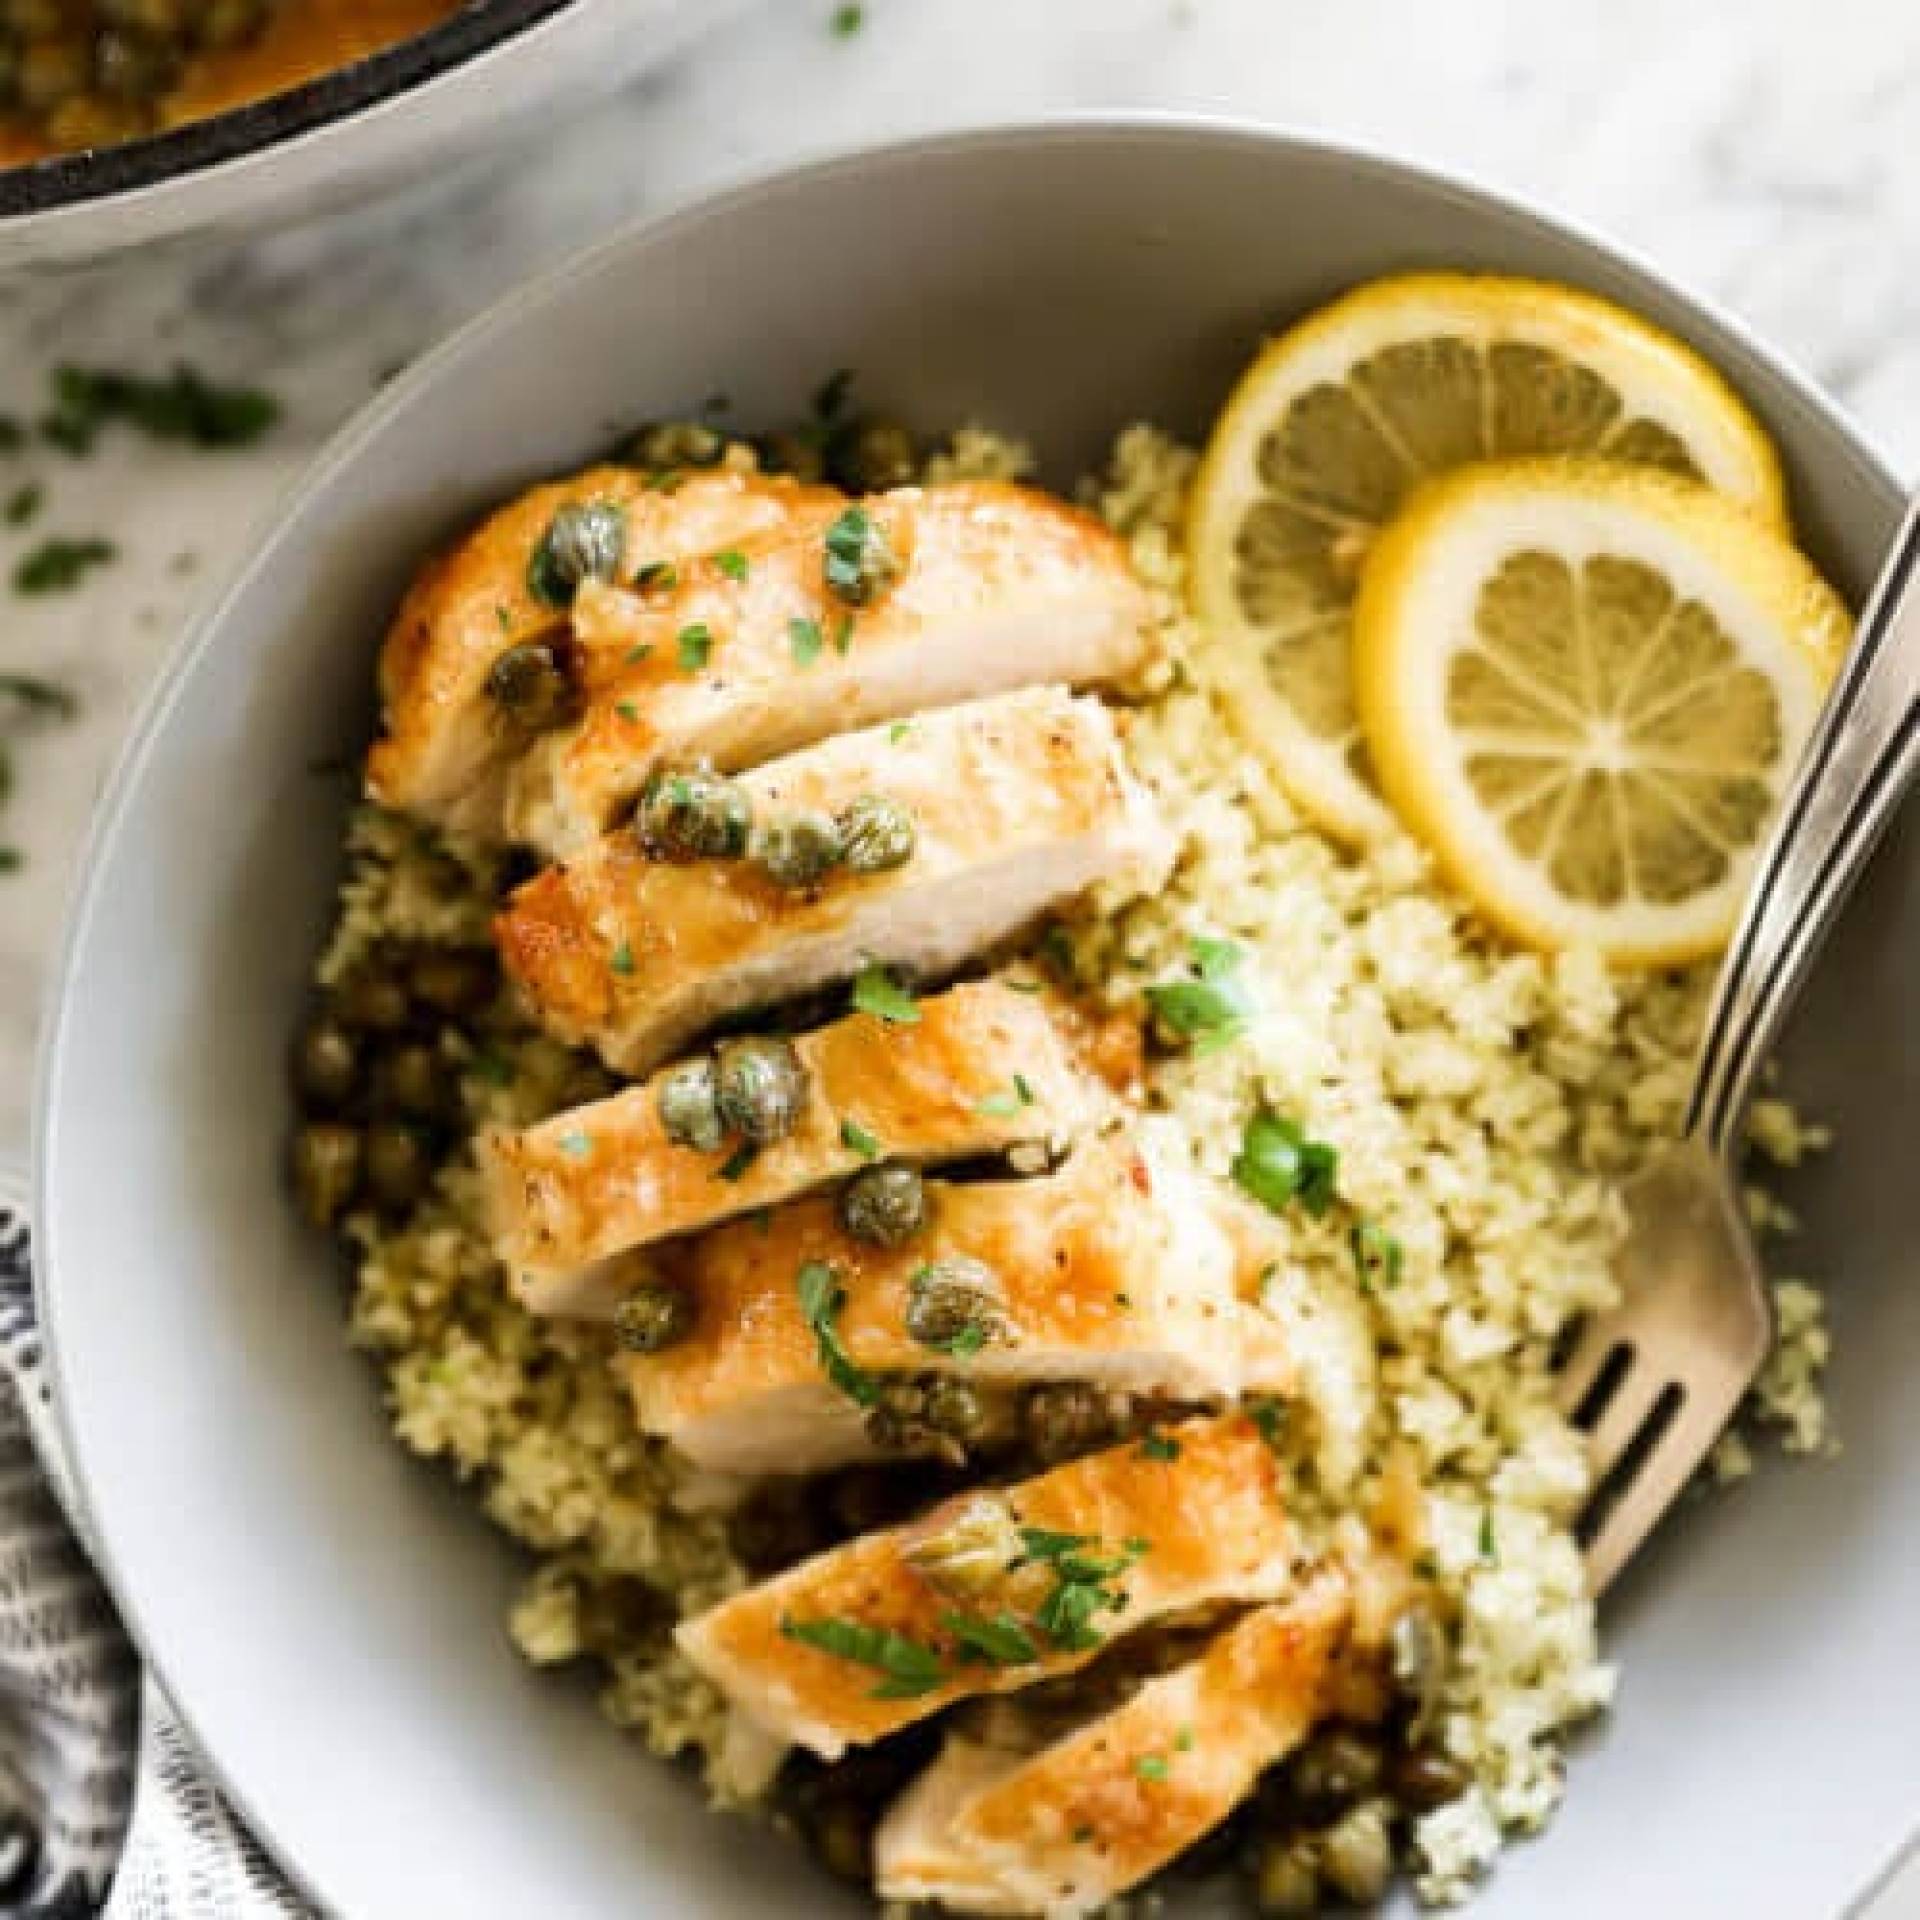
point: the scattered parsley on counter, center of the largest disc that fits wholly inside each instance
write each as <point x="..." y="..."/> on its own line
<point x="23" y="503"/>
<point x="183" y="406"/>
<point x="25" y="699"/>
<point x="847" y="21"/>
<point x="59" y="565"/>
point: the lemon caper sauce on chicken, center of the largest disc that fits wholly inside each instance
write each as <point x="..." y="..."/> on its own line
<point x="931" y="1198"/>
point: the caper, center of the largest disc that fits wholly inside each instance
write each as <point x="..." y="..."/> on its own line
<point x="797" y="849"/>
<point x="1424" y="1777"/>
<point x="583" y="541"/>
<point x="130" y="65"/>
<point x="454" y="981"/>
<point x="1332" y="1770"/>
<point x="913" y="1412"/>
<point x="326" y="1065"/>
<point x="799" y="454"/>
<point x="876" y="834"/>
<point x="953" y="1408"/>
<point x="884" y="1206"/>
<point x="870" y="455"/>
<point x="533" y="686"/>
<point x="954" y="1304"/>
<point x="843" y="1838"/>
<point x="688" y="1100"/>
<point x="373" y="1000"/>
<point x="973" y="1553"/>
<point x="675" y="443"/>
<point x="326" y="1170"/>
<point x="693" y="813"/>
<point x="654" y="1317"/>
<point x="1066" y="1419"/>
<point x="1419" y="1654"/>
<point x="412" y="1080"/>
<point x="760" y="1087"/>
<point x="1286" y="1879"/>
<point x="52" y="71"/>
<point x="398" y="1165"/>
<point x="1356" y="1855"/>
<point x="226" y="23"/>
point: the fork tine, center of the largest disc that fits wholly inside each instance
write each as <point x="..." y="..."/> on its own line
<point x="1628" y="1409"/>
<point x="1657" y="1480"/>
<point x="1591" y="1351"/>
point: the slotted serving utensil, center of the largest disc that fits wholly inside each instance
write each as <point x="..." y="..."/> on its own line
<point x="1654" y="1381"/>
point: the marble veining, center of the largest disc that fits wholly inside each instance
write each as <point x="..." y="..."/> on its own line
<point x="1753" y="147"/>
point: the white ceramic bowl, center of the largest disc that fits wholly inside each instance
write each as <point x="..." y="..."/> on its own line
<point x="326" y="1612"/>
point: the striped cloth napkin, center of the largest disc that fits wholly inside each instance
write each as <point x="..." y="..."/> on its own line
<point x="104" y="1806"/>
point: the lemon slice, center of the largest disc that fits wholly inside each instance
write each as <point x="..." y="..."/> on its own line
<point x="1584" y="686"/>
<point x="1342" y="416"/>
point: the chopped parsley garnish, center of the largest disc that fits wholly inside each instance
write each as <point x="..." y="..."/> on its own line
<point x="806" y="639"/>
<point x="856" y="1139"/>
<point x="1489" y="1546"/>
<point x="1209" y="1009"/>
<point x="695" y="646"/>
<point x="732" y="562"/>
<point x="622" y="961"/>
<point x="185" y="405"/>
<point x="899" y="731"/>
<point x="1376" y="1254"/>
<point x="848" y="20"/>
<point x="627" y="711"/>
<point x="1003" y="1105"/>
<point x="1151" y="1767"/>
<point x="843" y="633"/>
<point x="1278" y="1164"/>
<point x="735" y="1165"/>
<point x="504" y="615"/>
<point x="877" y="992"/>
<point x="821" y="1298"/>
<point x="576" y="1146"/>
<point x="657" y="576"/>
<point x="56" y="566"/>
<point x="1270" y="1418"/>
<point x="664" y="480"/>
<point x="860" y="565"/>
<point x="634" y="655"/>
<point x="1084" y="1584"/>
<point x="1001" y="1639"/>
<point x="1155" y="1445"/>
<point x="23" y="503"/>
<point x="1183" y="1740"/>
<point x="910" y="1667"/>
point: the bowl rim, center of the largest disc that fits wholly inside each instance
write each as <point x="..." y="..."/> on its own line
<point x="334" y="97"/>
<point x="819" y="166"/>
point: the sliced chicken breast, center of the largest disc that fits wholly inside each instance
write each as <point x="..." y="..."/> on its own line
<point x="999" y="587"/>
<point x="983" y="1070"/>
<point x="871" y="1636"/>
<point x="1018" y="803"/>
<point x="1065" y="1825"/>
<point x="1111" y="1271"/>
<point x="444" y="750"/>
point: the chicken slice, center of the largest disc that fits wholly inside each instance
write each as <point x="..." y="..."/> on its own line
<point x="1059" y="1827"/>
<point x="999" y="587"/>
<point x="444" y="750"/>
<point x="1018" y="803"/>
<point x="869" y="1637"/>
<point x="983" y="1070"/>
<point x="1111" y="1271"/>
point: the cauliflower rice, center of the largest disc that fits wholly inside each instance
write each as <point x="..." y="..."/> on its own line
<point x="1485" y="1103"/>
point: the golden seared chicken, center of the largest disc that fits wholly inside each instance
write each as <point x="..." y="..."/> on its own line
<point x="994" y="1590"/>
<point x="917" y="844"/>
<point x="968" y="590"/>
<point x="1022" y="1823"/>
<point x="1110" y="1272"/>
<point x="984" y="1069"/>
<point x="480" y="659"/>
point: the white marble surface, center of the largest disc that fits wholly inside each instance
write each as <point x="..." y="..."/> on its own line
<point x="1760" y="149"/>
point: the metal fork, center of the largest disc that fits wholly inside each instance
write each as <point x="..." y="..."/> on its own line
<point x="1655" y="1381"/>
